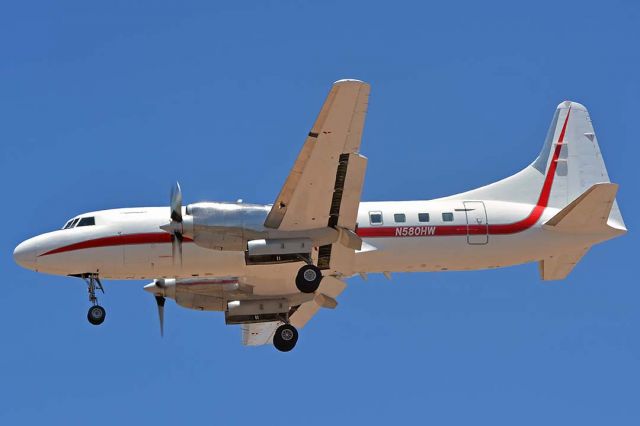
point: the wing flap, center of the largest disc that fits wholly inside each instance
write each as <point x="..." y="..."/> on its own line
<point x="346" y="212"/>
<point x="257" y="334"/>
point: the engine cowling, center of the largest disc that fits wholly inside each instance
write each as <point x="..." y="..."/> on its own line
<point x="198" y="293"/>
<point x="225" y="226"/>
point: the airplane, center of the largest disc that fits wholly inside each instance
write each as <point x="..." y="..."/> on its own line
<point x="271" y="268"/>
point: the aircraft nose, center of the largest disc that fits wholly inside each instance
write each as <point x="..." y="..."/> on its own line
<point x="25" y="254"/>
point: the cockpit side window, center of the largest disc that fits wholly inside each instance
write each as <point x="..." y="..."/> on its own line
<point x="68" y="224"/>
<point x="87" y="221"/>
<point x="74" y="222"/>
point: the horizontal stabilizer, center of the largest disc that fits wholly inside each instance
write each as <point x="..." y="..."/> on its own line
<point x="558" y="267"/>
<point x="588" y="213"/>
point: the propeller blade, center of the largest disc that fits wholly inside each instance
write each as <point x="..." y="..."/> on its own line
<point x="176" y="203"/>
<point x="176" y="247"/>
<point x="160" y="301"/>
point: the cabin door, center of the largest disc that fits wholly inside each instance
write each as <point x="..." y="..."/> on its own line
<point x="477" y="226"/>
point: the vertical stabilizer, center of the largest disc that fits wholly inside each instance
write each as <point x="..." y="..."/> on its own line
<point x="580" y="165"/>
<point x="569" y="164"/>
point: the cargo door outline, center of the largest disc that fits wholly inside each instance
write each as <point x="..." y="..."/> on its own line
<point x="477" y="223"/>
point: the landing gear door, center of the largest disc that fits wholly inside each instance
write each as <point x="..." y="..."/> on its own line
<point x="477" y="226"/>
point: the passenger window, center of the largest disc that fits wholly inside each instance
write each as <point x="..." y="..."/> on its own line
<point x="399" y="218"/>
<point x="447" y="217"/>
<point x="375" y="218"/>
<point x="423" y="217"/>
<point x="87" y="221"/>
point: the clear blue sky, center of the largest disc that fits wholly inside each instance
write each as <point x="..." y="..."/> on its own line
<point x="106" y="104"/>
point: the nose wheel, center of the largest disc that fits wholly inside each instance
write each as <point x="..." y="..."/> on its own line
<point x="285" y="338"/>
<point x="97" y="313"/>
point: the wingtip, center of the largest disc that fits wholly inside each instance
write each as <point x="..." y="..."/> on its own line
<point x="349" y="80"/>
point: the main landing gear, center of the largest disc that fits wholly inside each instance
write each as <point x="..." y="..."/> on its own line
<point x="307" y="281"/>
<point x="285" y="338"/>
<point x="96" y="312"/>
<point x="308" y="278"/>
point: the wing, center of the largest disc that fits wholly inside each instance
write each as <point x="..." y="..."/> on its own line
<point x="325" y="183"/>
<point x="262" y="333"/>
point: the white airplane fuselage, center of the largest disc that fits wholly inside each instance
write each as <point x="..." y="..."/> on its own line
<point x="128" y="244"/>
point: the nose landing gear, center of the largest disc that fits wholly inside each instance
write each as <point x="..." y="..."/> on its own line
<point x="97" y="313"/>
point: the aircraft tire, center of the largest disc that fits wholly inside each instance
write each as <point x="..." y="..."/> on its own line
<point x="96" y="315"/>
<point x="285" y="338"/>
<point x="308" y="278"/>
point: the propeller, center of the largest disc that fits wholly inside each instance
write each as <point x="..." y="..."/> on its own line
<point x="175" y="227"/>
<point x="161" y="288"/>
<point x="160" y="301"/>
<point x="176" y="203"/>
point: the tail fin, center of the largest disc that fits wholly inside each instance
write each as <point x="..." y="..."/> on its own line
<point x="569" y="164"/>
<point x="579" y="165"/>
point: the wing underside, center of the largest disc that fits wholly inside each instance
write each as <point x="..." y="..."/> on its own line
<point x="256" y="334"/>
<point x="324" y="186"/>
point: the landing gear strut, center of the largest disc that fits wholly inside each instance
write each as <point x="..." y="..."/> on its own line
<point x="96" y="312"/>
<point x="308" y="278"/>
<point x="285" y="338"/>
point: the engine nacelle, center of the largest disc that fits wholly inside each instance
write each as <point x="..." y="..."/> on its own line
<point x="197" y="293"/>
<point x="225" y="226"/>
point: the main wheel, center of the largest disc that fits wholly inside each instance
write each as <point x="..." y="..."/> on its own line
<point x="285" y="338"/>
<point x="96" y="315"/>
<point x="308" y="278"/>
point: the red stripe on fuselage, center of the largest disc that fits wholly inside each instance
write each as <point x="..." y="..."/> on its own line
<point x="543" y="200"/>
<point x="421" y="231"/>
<point x="499" y="229"/>
<point x="117" y="240"/>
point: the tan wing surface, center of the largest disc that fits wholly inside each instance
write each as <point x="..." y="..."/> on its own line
<point x="324" y="186"/>
<point x="262" y="333"/>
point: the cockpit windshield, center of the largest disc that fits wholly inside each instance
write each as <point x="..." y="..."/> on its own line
<point x="87" y="221"/>
<point x="80" y="221"/>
